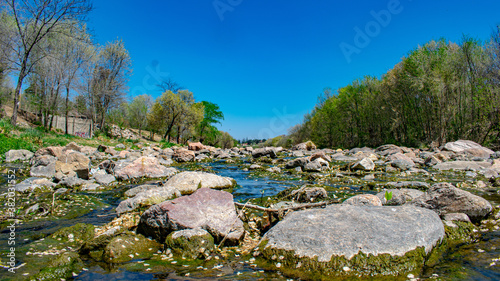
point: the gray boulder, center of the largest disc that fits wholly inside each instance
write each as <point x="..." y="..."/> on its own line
<point x="299" y="162"/>
<point x="332" y="238"/>
<point x="189" y="182"/>
<point x="147" y="198"/>
<point x="135" y="190"/>
<point x="444" y="198"/>
<point x="104" y="179"/>
<point x="148" y="167"/>
<point x="365" y="164"/>
<point x="212" y="210"/>
<point x="317" y="165"/>
<point x="408" y="184"/>
<point x="44" y="166"/>
<point x="309" y="194"/>
<point x="462" y="165"/>
<point x="21" y="155"/>
<point x="266" y="151"/>
<point x="471" y="147"/>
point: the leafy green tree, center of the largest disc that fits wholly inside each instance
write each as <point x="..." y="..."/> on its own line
<point x="212" y="115"/>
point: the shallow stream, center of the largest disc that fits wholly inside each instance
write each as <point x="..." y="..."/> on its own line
<point x="469" y="262"/>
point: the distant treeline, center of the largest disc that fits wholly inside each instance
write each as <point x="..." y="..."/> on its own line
<point x="439" y="92"/>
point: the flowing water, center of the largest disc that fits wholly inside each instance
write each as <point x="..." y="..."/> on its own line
<point x="469" y="262"/>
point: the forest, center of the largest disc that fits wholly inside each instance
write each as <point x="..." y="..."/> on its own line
<point x="441" y="91"/>
<point x="61" y="69"/>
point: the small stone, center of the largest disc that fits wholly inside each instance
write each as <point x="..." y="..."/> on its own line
<point x="346" y="269"/>
<point x="410" y="276"/>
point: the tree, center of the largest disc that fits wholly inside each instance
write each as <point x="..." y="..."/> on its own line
<point x="137" y="112"/>
<point x="109" y="79"/>
<point x="34" y="20"/>
<point x="212" y="115"/>
<point x="168" y="84"/>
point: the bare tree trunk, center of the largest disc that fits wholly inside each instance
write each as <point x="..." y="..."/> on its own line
<point x="17" y="95"/>
<point x="67" y="110"/>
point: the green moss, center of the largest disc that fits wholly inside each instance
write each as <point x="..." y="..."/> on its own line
<point x="193" y="247"/>
<point x="78" y="232"/>
<point x="61" y="268"/>
<point x="395" y="267"/>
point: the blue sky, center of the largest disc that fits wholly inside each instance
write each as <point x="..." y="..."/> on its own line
<point x="266" y="62"/>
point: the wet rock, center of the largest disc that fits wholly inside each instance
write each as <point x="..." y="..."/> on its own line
<point x="148" y="197"/>
<point x="366" y="164"/>
<point x="298" y="153"/>
<point x="148" y="167"/>
<point x="44" y="166"/>
<point x="209" y="209"/>
<point x="79" y="232"/>
<point x="444" y="198"/>
<point x="363" y="200"/>
<point x="33" y="183"/>
<point x="61" y="267"/>
<point x="339" y="235"/>
<point x="468" y="146"/>
<point x="399" y="196"/>
<point x="309" y="194"/>
<point x="317" y="165"/>
<point x="129" y="246"/>
<point x="309" y="145"/>
<point x="191" y="243"/>
<point x="299" y="162"/>
<point x="266" y="151"/>
<point x="189" y="182"/>
<point x="18" y="155"/>
<point x="462" y="165"/>
<point x="108" y="166"/>
<point x="183" y="155"/>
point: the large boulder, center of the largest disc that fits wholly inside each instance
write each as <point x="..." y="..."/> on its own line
<point x="148" y="167"/>
<point x="74" y="163"/>
<point x="21" y="155"/>
<point x="468" y="146"/>
<point x="265" y="151"/>
<point x="196" y="146"/>
<point x="365" y="164"/>
<point x="147" y="197"/>
<point x="183" y="155"/>
<point x="189" y="182"/>
<point x="212" y="210"/>
<point x="462" y="165"/>
<point x="367" y="240"/>
<point x="444" y="198"/>
<point x="299" y="162"/>
<point x="44" y="166"/>
<point x="309" y="145"/>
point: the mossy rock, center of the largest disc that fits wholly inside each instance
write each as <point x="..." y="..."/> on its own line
<point x="129" y="246"/>
<point x="94" y="248"/>
<point x="190" y="243"/>
<point x="80" y="232"/>
<point x="61" y="268"/>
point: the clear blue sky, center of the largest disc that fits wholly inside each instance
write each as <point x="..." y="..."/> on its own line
<point x="266" y="62"/>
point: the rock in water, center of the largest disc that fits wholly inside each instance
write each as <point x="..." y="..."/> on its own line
<point x="369" y="240"/>
<point x="468" y="146"/>
<point x="209" y="209"/>
<point x="189" y="182"/>
<point x="444" y="198"/>
<point x="191" y="243"/>
<point x="144" y="167"/>
<point x="365" y="164"/>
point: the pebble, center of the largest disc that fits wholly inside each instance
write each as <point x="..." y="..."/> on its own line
<point x="346" y="269"/>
